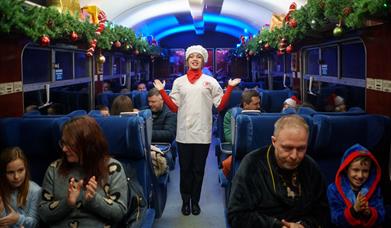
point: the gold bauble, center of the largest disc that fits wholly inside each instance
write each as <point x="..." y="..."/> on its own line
<point x="101" y="59"/>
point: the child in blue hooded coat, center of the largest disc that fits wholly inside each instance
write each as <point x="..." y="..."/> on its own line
<point x="355" y="199"/>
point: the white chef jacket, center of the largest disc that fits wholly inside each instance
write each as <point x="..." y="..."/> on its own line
<point x="194" y="101"/>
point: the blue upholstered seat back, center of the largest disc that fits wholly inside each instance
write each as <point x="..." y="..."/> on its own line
<point x="140" y="99"/>
<point x="234" y="101"/>
<point x="351" y="112"/>
<point x="108" y="98"/>
<point x="272" y="100"/>
<point x="254" y="130"/>
<point x="126" y="138"/>
<point x="335" y="134"/>
<point x="37" y="137"/>
<point x="72" y="114"/>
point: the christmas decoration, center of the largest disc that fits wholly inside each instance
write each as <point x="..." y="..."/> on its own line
<point x="313" y="24"/>
<point x="292" y="23"/>
<point x="347" y="11"/>
<point x="101" y="59"/>
<point x="33" y="22"/>
<point x="117" y="44"/>
<point x="242" y="40"/>
<point x="282" y="45"/>
<point x="267" y="46"/>
<point x="288" y="18"/>
<point x="45" y="41"/>
<point x="337" y="32"/>
<point x="289" y="49"/>
<point x="74" y="36"/>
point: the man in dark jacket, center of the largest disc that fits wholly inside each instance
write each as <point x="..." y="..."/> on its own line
<point x="280" y="186"/>
<point x="164" y="121"/>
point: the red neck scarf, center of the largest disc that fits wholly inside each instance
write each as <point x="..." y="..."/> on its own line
<point x="193" y="75"/>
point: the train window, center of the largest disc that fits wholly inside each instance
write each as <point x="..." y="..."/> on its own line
<point x="177" y="62"/>
<point x="278" y="64"/>
<point x="209" y="65"/>
<point x="36" y="65"/>
<point x="107" y="65"/>
<point x="122" y="61"/>
<point x="312" y="61"/>
<point x="353" y="60"/>
<point x="117" y="65"/>
<point x="63" y="65"/>
<point x="329" y="61"/>
<point x="81" y="65"/>
<point x="287" y="63"/>
<point x="222" y="57"/>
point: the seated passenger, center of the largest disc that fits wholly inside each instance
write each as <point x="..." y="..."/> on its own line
<point x="291" y="102"/>
<point x="106" y="87"/>
<point x="164" y="121"/>
<point x="141" y="87"/>
<point x="335" y="103"/>
<point x="339" y="104"/>
<point x="56" y="109"/>
<point x="104" y="110"/>
<point x="122" y="103"/>
<point x="163" y="127"/>
<point x="31" y="108"/>
<point x="19" y="197"/>
<point x="355" y="199"/>
<point x="86" y="187"/>
<point x="279" y="185"/>
<point x="250" y="101"/>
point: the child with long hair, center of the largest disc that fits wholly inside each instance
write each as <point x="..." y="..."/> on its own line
<point x="19" y="195"/>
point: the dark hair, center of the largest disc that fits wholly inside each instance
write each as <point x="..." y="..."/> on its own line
<point x="8" y="155"/>
<point x="153" y="92"/>
<point x="101" y="107"/>
<point x="84" y="136"/>
<point x="120" y="104"/>
<point x="248" y="94"/>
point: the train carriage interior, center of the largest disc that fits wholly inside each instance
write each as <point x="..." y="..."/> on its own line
<point x="68" y="58"/>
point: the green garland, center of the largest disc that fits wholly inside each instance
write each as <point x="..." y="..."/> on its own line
<point x="34" y="22"/>
<point x="317" y="17"/>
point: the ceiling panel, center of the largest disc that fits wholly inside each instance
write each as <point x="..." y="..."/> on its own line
<point x="165" y="17"/>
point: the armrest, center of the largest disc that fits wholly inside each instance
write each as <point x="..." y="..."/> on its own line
<point x="226" y="147"/>
<point x="164" y="147"/>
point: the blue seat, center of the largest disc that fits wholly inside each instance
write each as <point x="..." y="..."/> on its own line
<point x="351" y="112"/>
<point x="126" y="139"/>
<point x="107" y="98"/>
<point x="37" y="137"/>
<point x="335" y="134"/>
<point x="253" y="130"/>
<point x="140" y="99"/>
<point x="71" y="115"/>
<point x="95" y="113"/>
<point x="159" y="195"/>
<point x="250" y="85"/>
<point x="234" y="101"/>
<point x="272" y="100"/>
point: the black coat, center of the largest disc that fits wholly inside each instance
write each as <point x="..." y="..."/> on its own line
<point x="164" y="125"/>
<point x="256" y="202"/>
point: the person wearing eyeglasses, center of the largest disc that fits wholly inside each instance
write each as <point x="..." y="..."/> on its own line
<point x="86" y="187"/>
